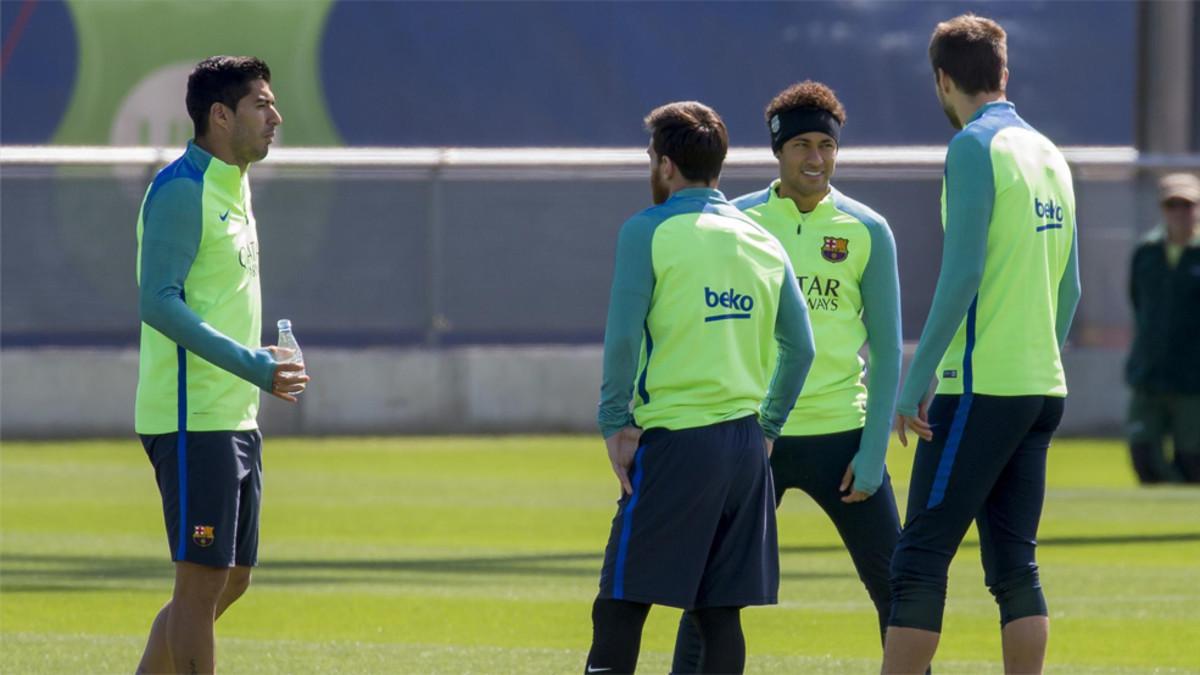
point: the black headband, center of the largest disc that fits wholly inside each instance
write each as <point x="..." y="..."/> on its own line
<point x="791" y="123"/>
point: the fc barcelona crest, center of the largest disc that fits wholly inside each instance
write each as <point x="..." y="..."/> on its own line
<point x="835" y="249"/>
<point x="202" y="535"/>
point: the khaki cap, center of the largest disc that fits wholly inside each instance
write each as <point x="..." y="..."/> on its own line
<point x="1179" y="186"/>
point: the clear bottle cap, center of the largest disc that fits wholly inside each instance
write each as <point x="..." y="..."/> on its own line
<point x="284" y="324"/>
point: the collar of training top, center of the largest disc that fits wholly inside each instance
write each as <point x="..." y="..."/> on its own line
<point x="791" y="123"/>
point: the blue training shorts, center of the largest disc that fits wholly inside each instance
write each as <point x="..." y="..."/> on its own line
<point x="699" y="529"/>
<point x="211" y="487"/>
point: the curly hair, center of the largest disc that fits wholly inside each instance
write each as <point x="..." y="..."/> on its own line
<point x="807" y="94"/>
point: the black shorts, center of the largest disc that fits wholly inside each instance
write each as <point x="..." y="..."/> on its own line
<point x="699" y="529"/>
<point x="211" y="487"/>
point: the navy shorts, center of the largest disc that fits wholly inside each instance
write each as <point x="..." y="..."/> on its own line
<point x="211" y="487"/>
<point x="699" y="529"/>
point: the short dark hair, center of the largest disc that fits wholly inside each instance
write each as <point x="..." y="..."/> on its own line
<point x="972" y="50"/>
<point x="692" y="135"/>
<point x="221" y="79"/>
<point x="807" y="94"/>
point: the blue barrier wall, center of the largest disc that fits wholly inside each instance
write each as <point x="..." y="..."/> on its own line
<point x="555" y="73"/>
<point x="534" y="73"/>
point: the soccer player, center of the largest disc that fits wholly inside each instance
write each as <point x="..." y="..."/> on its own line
<point x="701" y="296"/>
<point x="201" y="366"/>
<point x="1005" y="298"/>
<point x="834" y="443"/>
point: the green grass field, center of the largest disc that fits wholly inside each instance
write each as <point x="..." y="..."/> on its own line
<point x="457" y="555"/>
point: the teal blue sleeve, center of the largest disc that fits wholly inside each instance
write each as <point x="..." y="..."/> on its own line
<point x="970" y="195"/>
<point x="1069" y="291"/>
<point x="171" y="233"/>
<point x="628" y="305"/>
<point x="881" y="315"/>
<point x="793" y="334"/>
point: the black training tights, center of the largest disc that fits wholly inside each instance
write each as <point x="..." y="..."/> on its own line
<point x="617" y="637"/>
<point x="717" y="631"/>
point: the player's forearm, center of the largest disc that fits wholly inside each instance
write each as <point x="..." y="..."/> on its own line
<point x="886" y="354"/>
<point x="169" y="315"/>
<point x="881" y="317"/>
<point x="161" y="306"/>
<point x="970" y="196"/>
<point x="1069" y="291"/>
<point x="956" y="289"/>
<point x="622" y="347"/>
<point x="793" y="334"/>
<point x="628" y="307"/>
<point x="615" y="391"/>
<point x="794" y="362"/>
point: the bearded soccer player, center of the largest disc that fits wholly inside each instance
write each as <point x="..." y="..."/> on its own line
<point x="703" y="301"/>
<point x="834" y="443"/>
<point x="201" y="366"/>
<point x="1005" y="298"/>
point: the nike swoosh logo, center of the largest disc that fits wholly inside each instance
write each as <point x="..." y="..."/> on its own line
<point x="590" y="669"/>
<point x="225" y="216"/>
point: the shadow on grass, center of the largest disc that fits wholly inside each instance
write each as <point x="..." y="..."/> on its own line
<point x="55" y="573"/>
<point x="31" y="573"/>
<point x="1101" y="540"/>
<point x="1097" y="540"/>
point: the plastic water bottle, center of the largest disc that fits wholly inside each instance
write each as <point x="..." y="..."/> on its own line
<point x="288" y="341"/>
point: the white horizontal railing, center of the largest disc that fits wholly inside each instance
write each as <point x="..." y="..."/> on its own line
<point x="912" y="155"/>
<point x="914" y="161"/>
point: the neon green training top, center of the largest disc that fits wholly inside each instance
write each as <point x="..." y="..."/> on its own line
<point x="844" y="257"/>
<point x="201" y="367"/>
<point x="701" y="298"/>
<point x="1009" y="282"/>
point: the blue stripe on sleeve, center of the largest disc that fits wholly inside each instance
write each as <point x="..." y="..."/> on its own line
<point x="970" y="195"/>
<point x="969" y="349"/>
<point x="181" y="452"/>
<point x="642" y="379"/>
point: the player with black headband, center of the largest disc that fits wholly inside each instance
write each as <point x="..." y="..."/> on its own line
<point x="844" y="257"/>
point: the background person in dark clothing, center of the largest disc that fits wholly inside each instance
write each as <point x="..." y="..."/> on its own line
<point x="1164" y="364"/>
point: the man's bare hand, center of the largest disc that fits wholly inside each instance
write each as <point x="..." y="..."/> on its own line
<point x="622" y="446"/>
<point x="855" y="496"/>
<point x="919" y="425"/>
<point x="289" y="379"/>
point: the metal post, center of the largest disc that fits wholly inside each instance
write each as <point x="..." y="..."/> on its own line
<point x="1166" y="81"/>
<point x="435" y="322"/>
<point x="1166" y="76"/>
